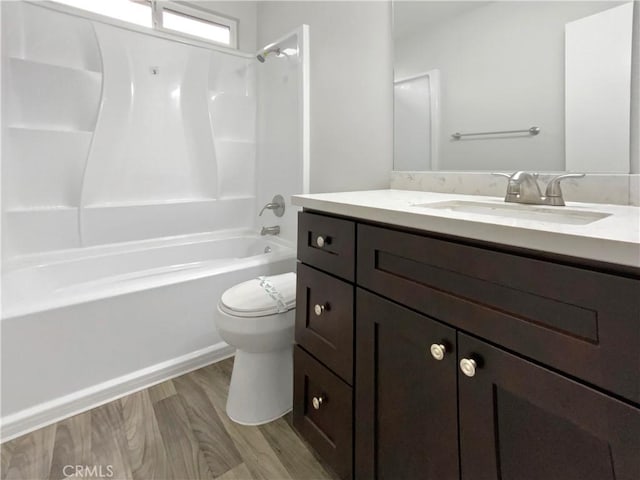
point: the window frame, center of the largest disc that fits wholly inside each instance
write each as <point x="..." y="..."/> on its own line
<point x="158" y="8"/>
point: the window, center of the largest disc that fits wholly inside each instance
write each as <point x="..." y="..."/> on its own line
<point x="166" y="16"/>
<point x="126" y="10"/>
<point x="194" y="22"/>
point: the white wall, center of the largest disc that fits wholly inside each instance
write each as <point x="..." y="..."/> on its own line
<point x="635" y="93"/>
<point x="486" y="57"/>
<point x="598" y="91"/>
<point x="351" y="88"/>
<point x="244" y="11"/>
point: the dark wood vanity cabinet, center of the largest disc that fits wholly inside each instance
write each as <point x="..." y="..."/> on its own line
<point x="520" y="421"/>
<point x="329" y="334"/>
<point x="580" y="321"/>
<point x="513" y="420"/>
<point x="324" y="332"/>
<point x="475" y="362"/>
<point x="406" y="401"/>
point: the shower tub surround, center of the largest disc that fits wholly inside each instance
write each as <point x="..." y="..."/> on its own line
<point x="111" y="131"/>
<point x="129" y="204"/>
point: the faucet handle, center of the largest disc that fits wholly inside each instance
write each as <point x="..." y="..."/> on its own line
<point x="500" y="174"/>
<point x="553" y="187"/>
<point x="276" y="204"/>
<point x="515" y="174"/>
<point x="553" y="192"/>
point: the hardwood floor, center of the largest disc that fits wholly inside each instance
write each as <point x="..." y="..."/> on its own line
<point x="177" y="430"/>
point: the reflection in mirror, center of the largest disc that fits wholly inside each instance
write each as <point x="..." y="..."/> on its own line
<point x="416" y="121"/>
<point x="512" y="85"/>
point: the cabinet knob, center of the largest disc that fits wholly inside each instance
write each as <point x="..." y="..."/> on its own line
<point x="318" y="401"/>
<point x="437" y="351"/>
<point x="319" y="309"/>
<point x="468" y="366"/>
<point x="322" y="241"/>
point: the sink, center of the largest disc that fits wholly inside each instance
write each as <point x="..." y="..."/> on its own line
<point x="536" y="213"/>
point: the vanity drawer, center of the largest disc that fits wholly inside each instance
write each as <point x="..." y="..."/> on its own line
<point x="583" y="322"/>
<point x="323" y="412"/>
<point x="324" y="319"/>
<point x="327" y="243"/>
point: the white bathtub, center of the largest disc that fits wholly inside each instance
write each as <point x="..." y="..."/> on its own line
<point x="82" y="327"/>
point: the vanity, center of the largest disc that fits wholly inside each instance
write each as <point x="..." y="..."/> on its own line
<point x="433" y="341"/>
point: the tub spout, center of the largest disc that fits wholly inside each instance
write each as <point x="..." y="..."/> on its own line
<point x="275" y="230"/>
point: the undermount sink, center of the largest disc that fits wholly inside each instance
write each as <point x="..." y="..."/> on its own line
<point x="524" y="212"/>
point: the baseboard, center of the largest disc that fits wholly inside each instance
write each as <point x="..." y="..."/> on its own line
<point x="46" y="413"/>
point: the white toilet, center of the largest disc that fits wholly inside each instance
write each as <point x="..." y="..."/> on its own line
<point x="257" y="318"/>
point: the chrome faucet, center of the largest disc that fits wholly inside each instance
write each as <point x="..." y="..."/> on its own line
<point x="275" y="230"/>
<point x="276" y="204"/>
<point x="523" y="188"/>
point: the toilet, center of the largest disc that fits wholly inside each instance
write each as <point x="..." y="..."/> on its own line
<point x="257" y="318"/>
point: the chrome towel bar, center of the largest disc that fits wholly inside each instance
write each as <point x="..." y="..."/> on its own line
<point x="530" y="131"/>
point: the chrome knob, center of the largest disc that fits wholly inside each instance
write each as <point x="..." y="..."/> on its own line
<point x="468" y="366"/>
<point x="437" y="351"/>
<point x="320" y="241"/>
<point x="319" y="309"/>
<point x="317" y="402"/>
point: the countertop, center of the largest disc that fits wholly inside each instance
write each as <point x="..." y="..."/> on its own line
<point x="614" y="239"/>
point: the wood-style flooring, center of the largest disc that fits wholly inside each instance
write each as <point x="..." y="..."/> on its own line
<point x="175" y="430"/>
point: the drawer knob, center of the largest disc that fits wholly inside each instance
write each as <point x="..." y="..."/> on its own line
<point x="468" y="366"/>
<point x="322" y="241"/>
<point x="437" y="351"/>
<point x="318" y="401"/>
<point x="319" y="309"/>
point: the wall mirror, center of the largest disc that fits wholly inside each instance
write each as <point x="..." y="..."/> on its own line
<point x="513" y="85"/>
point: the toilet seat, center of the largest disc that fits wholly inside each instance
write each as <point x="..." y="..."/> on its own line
<point x="260" y="297"/>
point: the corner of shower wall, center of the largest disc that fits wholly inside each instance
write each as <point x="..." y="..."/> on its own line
<point x="51" y="88"/>
<point x="283" y="127"/>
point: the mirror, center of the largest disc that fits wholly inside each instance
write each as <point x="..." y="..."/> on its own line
<point x="512" y="85"/>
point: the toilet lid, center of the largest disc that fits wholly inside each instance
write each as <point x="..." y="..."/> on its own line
<point x="261" y="296"/>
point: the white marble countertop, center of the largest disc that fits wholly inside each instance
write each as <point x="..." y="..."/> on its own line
<point x="614" y="239"/>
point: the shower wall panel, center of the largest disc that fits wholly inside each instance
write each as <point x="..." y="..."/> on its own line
<point x="283" y="163"/>
<point x="51" y="89"/>
<point x="117" y="134"/>
<point x="152" y="142"/>
<point x="232" y="103"/>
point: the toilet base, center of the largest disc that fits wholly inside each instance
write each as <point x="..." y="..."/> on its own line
<point x="261" y="388"/>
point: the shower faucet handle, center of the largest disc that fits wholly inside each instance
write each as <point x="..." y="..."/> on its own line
<point x="276" y="204"/>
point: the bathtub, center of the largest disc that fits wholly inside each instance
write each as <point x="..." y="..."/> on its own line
<point x="81" y="327"/>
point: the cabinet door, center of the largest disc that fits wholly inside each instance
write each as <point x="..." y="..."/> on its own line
<point x="519" y="421"/>
<point x="406" y="410"/>
<point x="323" y="412"/>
